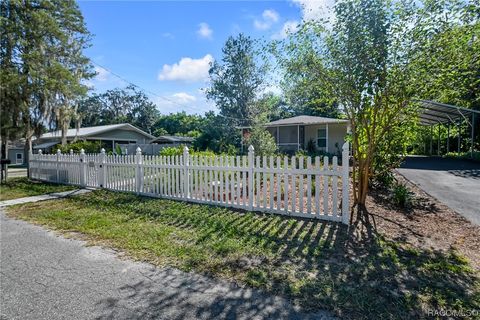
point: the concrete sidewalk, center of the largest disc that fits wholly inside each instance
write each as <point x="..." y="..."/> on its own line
<point x="42" y="197"/>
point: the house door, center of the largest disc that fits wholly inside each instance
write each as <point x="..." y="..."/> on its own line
<point x="19" y="158"/>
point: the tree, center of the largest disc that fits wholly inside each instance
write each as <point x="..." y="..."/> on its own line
<point x="445" y="52"/>
<point x="371" y="80"/>
<point x="117" y="106"/>
<point x="43" y="60"/>
<point x="179" y="123"/>
<point x="236" y="82"/>
<point x="301" y="58"/>
<point x="213" y="136"/>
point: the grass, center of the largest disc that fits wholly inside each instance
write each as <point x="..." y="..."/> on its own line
<point x="23" y="187"/>
<point x="356" y="273"/>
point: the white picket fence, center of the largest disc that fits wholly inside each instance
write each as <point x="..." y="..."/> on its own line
<point x="295" y="186"/>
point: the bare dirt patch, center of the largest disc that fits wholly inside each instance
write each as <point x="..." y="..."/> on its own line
<point x="428" y="224"/>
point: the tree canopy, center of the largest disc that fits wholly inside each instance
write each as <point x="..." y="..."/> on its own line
<point x="42" y="61"/>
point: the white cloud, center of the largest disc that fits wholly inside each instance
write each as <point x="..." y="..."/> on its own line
<point x="183" y="97"/>
<point x="269" y="17"/>
<point x="182" y="101"/>
<point x="289" y="27"/>
<point x="204" y="31"/>
<point x="316" y="9"/>
<point x="102" y="74"/>
<point x="168" y="35"/>
<point x="187" y="69"/>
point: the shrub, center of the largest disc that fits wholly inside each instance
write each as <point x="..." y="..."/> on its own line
<point x="384" y="180"/>
<point x="402" y="196"/>
<point x="262" y="141"/>
<point x="88" y="146"/>
<point x="171" y="151"/>
<point x="178" y="151"/>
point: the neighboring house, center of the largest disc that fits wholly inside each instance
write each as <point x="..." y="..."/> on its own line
<point x="296" y="133"/>
<point x="111" y="135"/>
<point x="16" y="153"/>
<point x="157" y="144"/>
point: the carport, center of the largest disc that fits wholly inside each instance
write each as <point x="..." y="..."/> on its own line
<point x="433" y="113"/>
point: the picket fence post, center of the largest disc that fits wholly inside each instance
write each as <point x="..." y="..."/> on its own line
<point x="345" y="184"/>
<point x="102" y="174"/>
<point x="59" y="152"/>
<point x="139" y="171"/>
<point x="83" y="171"/>
<point x="251" y="157"/>
<point x="186" y="178"/>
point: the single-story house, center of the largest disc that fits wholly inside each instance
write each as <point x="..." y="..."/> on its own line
<point x="111" y="135"/>
<point x="157" y="144"/>
<point x="296" y="133"/>
<point x="16" y="152"/>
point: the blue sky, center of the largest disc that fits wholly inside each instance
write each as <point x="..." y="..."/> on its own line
<point x="165" y="46"/>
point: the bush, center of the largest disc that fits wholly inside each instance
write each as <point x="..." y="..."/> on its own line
<point x="262" y="141"/>
<point x="464" y="155"/>
<point x="88" y="146"/>
<point x="178" y="151"/>
<point x="171" y="151"/>
<point x="402" y="196"/>
<point x="384" y="180"/>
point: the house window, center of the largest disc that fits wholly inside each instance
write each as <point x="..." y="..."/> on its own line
<point x="322" y="138"/>
<point x="19" y="159"/>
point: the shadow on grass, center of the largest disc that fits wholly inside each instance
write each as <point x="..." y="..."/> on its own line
<point x="353" y="271"/>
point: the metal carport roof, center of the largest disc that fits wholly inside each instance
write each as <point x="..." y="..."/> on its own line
<point x="435" y="113"/>
<point x="431" y="112"/>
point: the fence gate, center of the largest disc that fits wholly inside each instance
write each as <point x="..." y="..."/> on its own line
<point x="295" y="186"/>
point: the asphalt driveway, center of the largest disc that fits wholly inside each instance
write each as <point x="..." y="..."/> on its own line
<point x="45" y="276"/>
<point x="454" y="182"/>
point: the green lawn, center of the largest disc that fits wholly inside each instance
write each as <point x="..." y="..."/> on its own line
<point x="355" y="272"/>
<point x="22" y="187"/>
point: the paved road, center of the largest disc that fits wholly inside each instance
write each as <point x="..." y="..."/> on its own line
<point x="44" y="276"/>
<point x="454" y="182"/>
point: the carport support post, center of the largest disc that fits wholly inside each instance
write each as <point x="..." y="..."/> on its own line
<point x="438" y="141"/>
<point x="448" y="137"/>
<point x="431" y="139"/>
<point x="473" y="132"/>
<point x="459" y="138"/>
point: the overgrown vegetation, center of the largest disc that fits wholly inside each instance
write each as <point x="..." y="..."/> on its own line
<point x="357" y="273"/>
<point x="88" y="146"/>
<point x="22" y="187"/>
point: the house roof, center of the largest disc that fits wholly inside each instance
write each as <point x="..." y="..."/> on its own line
<point x="92" y="131"/>
<point x="173" y="139"/>
<point x="304" y="120"/>
<point x="45" y="145"/>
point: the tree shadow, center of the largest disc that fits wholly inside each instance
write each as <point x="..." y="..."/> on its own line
<point x="354" y="271"/>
